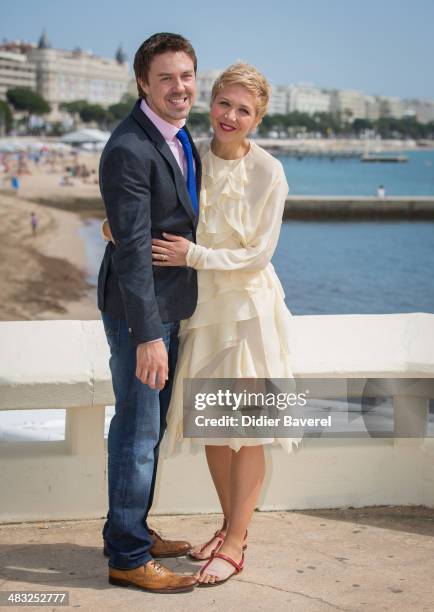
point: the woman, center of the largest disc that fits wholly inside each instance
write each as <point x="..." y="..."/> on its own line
<point x="241" y="326"/>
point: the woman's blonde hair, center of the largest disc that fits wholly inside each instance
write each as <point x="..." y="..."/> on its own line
<point x="249" y="77"/>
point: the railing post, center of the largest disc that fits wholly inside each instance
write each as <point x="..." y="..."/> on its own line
<point x="410" y="419"/>
<point x="84" y="430"/>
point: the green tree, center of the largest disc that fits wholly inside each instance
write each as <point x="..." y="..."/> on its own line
<point x="388" y="127"/>
<point x="265" y="126"/>
<point x="280" y="124"/>
<point x="361" y="125"/>
<point x="199" y="122"/>
<point x="56" y="129"/>
<point x="5" y="118"/>
<point x="94" y="112"/>
<point x="328" y="124"/>
<point x="128" y="98"/>
<point x="429" y="130"/>
<point x="74" y="107"/>
<point x="120" y="110"/>
<point x="301" y="122"/>
<point x="410" y="127"/>
<point x="274" y="123"/>
<point x="26" y="100"/>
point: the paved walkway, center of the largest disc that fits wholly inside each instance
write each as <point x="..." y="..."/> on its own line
<point x="368" y="559"/>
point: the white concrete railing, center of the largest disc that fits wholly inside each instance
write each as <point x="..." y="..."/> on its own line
<point x="64" y="364"/>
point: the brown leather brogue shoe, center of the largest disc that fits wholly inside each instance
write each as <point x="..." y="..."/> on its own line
<point x="162" y="548"/>
<point x="152" y="577"/>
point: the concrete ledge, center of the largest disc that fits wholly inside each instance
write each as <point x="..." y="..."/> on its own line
<point x="359" y="207"/>
<point x="64" y="364"/>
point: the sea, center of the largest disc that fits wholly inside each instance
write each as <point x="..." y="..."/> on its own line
<point x="326" y="267"/>
<point x="346" y="267"/>
<point x="351" y="177"/>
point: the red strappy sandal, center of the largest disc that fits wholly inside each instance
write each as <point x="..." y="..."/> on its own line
<point x="238" y="568"/>
<point x="219" y="536"/>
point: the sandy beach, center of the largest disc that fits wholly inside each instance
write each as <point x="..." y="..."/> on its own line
<point x="42" y="276"/>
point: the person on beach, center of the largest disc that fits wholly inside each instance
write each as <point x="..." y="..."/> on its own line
<point x="150" y="176"/>
<point x="241" y="327"/>
<point x="33" y="223"/>
<point x="15" y="184"/>
<point x="381" y="192"/>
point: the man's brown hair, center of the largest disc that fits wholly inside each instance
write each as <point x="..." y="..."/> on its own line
<point x="156" y="45"/>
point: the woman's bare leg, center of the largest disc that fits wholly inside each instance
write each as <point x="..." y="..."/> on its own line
<point x="219" y="463"/>
<point x="246" y="478"/>
<point x="219" y="460"/>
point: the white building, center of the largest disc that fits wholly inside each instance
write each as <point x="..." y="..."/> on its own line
<point x="204" y="83"/>
<point x="279" y="100"/>
<point x="372" y="107"/>
<point x="132" y="87"/>
<point x="64" y="76"/>
<point x="350" y="103"/>
<point x="423" y="110"/>
<point x="391" y="107"/>
<point x="305" y="98"/>
<point x="15" y="71"/>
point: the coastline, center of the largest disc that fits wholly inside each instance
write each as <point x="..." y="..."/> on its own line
<point x="42" y="185"/>
<point x="330" y="146"/>
<point x="43" y="276"/>
<point x="46" y="276"/>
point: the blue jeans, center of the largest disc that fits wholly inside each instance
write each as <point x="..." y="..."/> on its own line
<point x="135" y="433"/>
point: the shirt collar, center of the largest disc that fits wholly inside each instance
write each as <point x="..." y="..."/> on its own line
<point x="168" y="130"/>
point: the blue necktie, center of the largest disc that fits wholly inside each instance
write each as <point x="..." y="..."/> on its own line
<point x="191" y="177"/>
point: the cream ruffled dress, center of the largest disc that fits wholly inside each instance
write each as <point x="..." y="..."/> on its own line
<point x="241" y="327"/>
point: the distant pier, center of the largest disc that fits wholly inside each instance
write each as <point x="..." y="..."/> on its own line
<point x="388" y="159"/>
<point x="301" y="153"/>
<point x="343" y="148"/>
<point x="359" y="207"/>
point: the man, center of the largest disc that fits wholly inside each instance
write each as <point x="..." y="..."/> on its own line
<point x="381" y="192"/>
<point x="149" y="180"/>
<point x="33" y="223"/>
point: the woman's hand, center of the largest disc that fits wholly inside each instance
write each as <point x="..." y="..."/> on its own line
<point x="170" y="252"/>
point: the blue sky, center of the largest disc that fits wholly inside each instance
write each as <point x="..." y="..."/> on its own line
<point x="381" y="47"/>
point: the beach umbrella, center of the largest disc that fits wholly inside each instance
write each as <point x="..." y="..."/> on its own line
<point x="86" y="136"/>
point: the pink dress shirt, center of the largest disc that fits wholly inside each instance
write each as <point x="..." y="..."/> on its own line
<point x="168" y="131"/>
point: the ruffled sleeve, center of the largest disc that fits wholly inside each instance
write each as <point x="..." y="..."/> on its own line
<point x="259" y="245"/>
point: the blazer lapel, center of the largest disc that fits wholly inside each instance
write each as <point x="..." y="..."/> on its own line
<point x="162" y="146"/>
